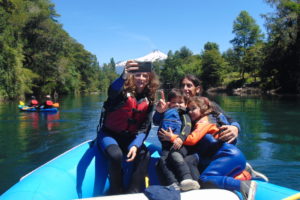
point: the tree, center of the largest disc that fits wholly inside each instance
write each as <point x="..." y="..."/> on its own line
<point x="247" y="34"/>
<point x="281" y="70"/>
<point x="177" y="65"/>
<point x="210" y="46"/>
<point x="232" y="58"/>
<point x="212" y="65"/>
<point x="113" y="64"/>
<point x="38" y="56"/>
<point x="254" y="59"/>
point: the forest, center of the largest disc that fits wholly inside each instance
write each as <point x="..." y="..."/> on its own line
<point x="37" y="56"/>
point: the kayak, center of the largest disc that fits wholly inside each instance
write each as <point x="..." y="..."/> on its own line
<point x="81" y="173"/>
<point x="33" y="109"/>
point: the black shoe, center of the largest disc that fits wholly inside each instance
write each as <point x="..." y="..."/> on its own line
<point x="255" y="174"/>
<point x="248" y="190"/>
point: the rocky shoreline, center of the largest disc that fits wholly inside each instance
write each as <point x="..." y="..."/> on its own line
<point x="246" y="91"/>
<point x="242" y="91"/>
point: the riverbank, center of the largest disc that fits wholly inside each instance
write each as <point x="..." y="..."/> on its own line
<point x="243" y="91"/>
<point x="247" y="91"/>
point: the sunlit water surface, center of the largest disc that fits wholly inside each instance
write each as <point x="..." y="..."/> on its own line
<point x="270" y="138"/>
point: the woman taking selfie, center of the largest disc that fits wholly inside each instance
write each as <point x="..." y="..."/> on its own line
<point x="126" y="123"/>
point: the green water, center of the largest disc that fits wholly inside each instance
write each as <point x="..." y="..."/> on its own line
<point x="270" y="138"/>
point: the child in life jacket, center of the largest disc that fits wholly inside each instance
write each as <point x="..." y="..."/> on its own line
<point x="33" y="102"/>
<point x="227" y="160"/>
<point x="172" y="162"/>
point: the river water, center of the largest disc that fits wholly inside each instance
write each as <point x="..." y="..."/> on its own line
<point x="270" y="138"/>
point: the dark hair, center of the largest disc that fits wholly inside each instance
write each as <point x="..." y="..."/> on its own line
<point x="203" y="103"/>
<point x="174" y="93"/>
<point x="195" y="80"/>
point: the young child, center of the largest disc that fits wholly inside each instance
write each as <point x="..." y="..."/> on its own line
<point x="226" y="160"/>
<point x="175" y="118"/>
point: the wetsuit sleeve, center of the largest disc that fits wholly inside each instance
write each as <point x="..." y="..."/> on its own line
<point x="186" y="126"/>
<point x="157" y="118"/>
<point x="143" y="131"/>
<point x="227" y="120"/>
<point x="116" y="88"/>
<point x="201" y="129"/>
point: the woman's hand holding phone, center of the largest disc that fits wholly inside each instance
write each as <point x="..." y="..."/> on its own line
<point x="130" y="67"/>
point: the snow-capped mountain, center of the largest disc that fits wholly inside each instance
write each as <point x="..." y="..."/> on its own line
<point x="155" y="55"/>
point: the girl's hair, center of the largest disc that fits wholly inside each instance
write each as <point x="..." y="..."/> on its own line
<point x="203" y="103"/>
<point x="196" y="81"/>
<point x="174" y="93"/>
<point x="149" y="90"/>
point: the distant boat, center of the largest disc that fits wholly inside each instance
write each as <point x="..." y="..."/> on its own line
<point x="81" y="173"/>
<point x="34" y="109"/>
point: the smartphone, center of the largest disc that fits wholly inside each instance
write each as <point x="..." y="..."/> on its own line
<point x="144" y="67"/>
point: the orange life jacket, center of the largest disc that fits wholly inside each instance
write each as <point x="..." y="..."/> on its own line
<point x="128" y="117"/>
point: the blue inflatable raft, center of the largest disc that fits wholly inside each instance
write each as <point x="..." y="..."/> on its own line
<point x="33" y="109"/>
<point x="81" y="173"/>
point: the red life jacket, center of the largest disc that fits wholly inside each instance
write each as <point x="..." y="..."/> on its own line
<point x="128" y="117"/>
<point x="34" y="102"/>
<point x="49" y="103"/>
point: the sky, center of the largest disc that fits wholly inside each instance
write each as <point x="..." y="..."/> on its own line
<point x="128" y="29"/>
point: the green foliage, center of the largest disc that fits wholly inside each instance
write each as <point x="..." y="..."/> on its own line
<point x="253" y="60"/>
<point x="107" y="75"/>
<point x="232" y="59"/>
<point x="211" y="46"/>
<point x="38" y="56"/>
<point x="281" y="70"/>
<point x="212" y="65"/>
<point x="247" y="34"/>
<point x="177" y="65"/>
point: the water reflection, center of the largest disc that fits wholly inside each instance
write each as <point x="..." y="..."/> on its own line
<point x="270" y="135"/>
<point x="39" y="120"/>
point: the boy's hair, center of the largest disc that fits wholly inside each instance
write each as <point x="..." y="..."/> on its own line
<point x="203" y="103"/>
<point x="174" y="93"/>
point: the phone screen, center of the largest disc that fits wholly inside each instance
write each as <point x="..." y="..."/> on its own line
<point x="144" y="67"/>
